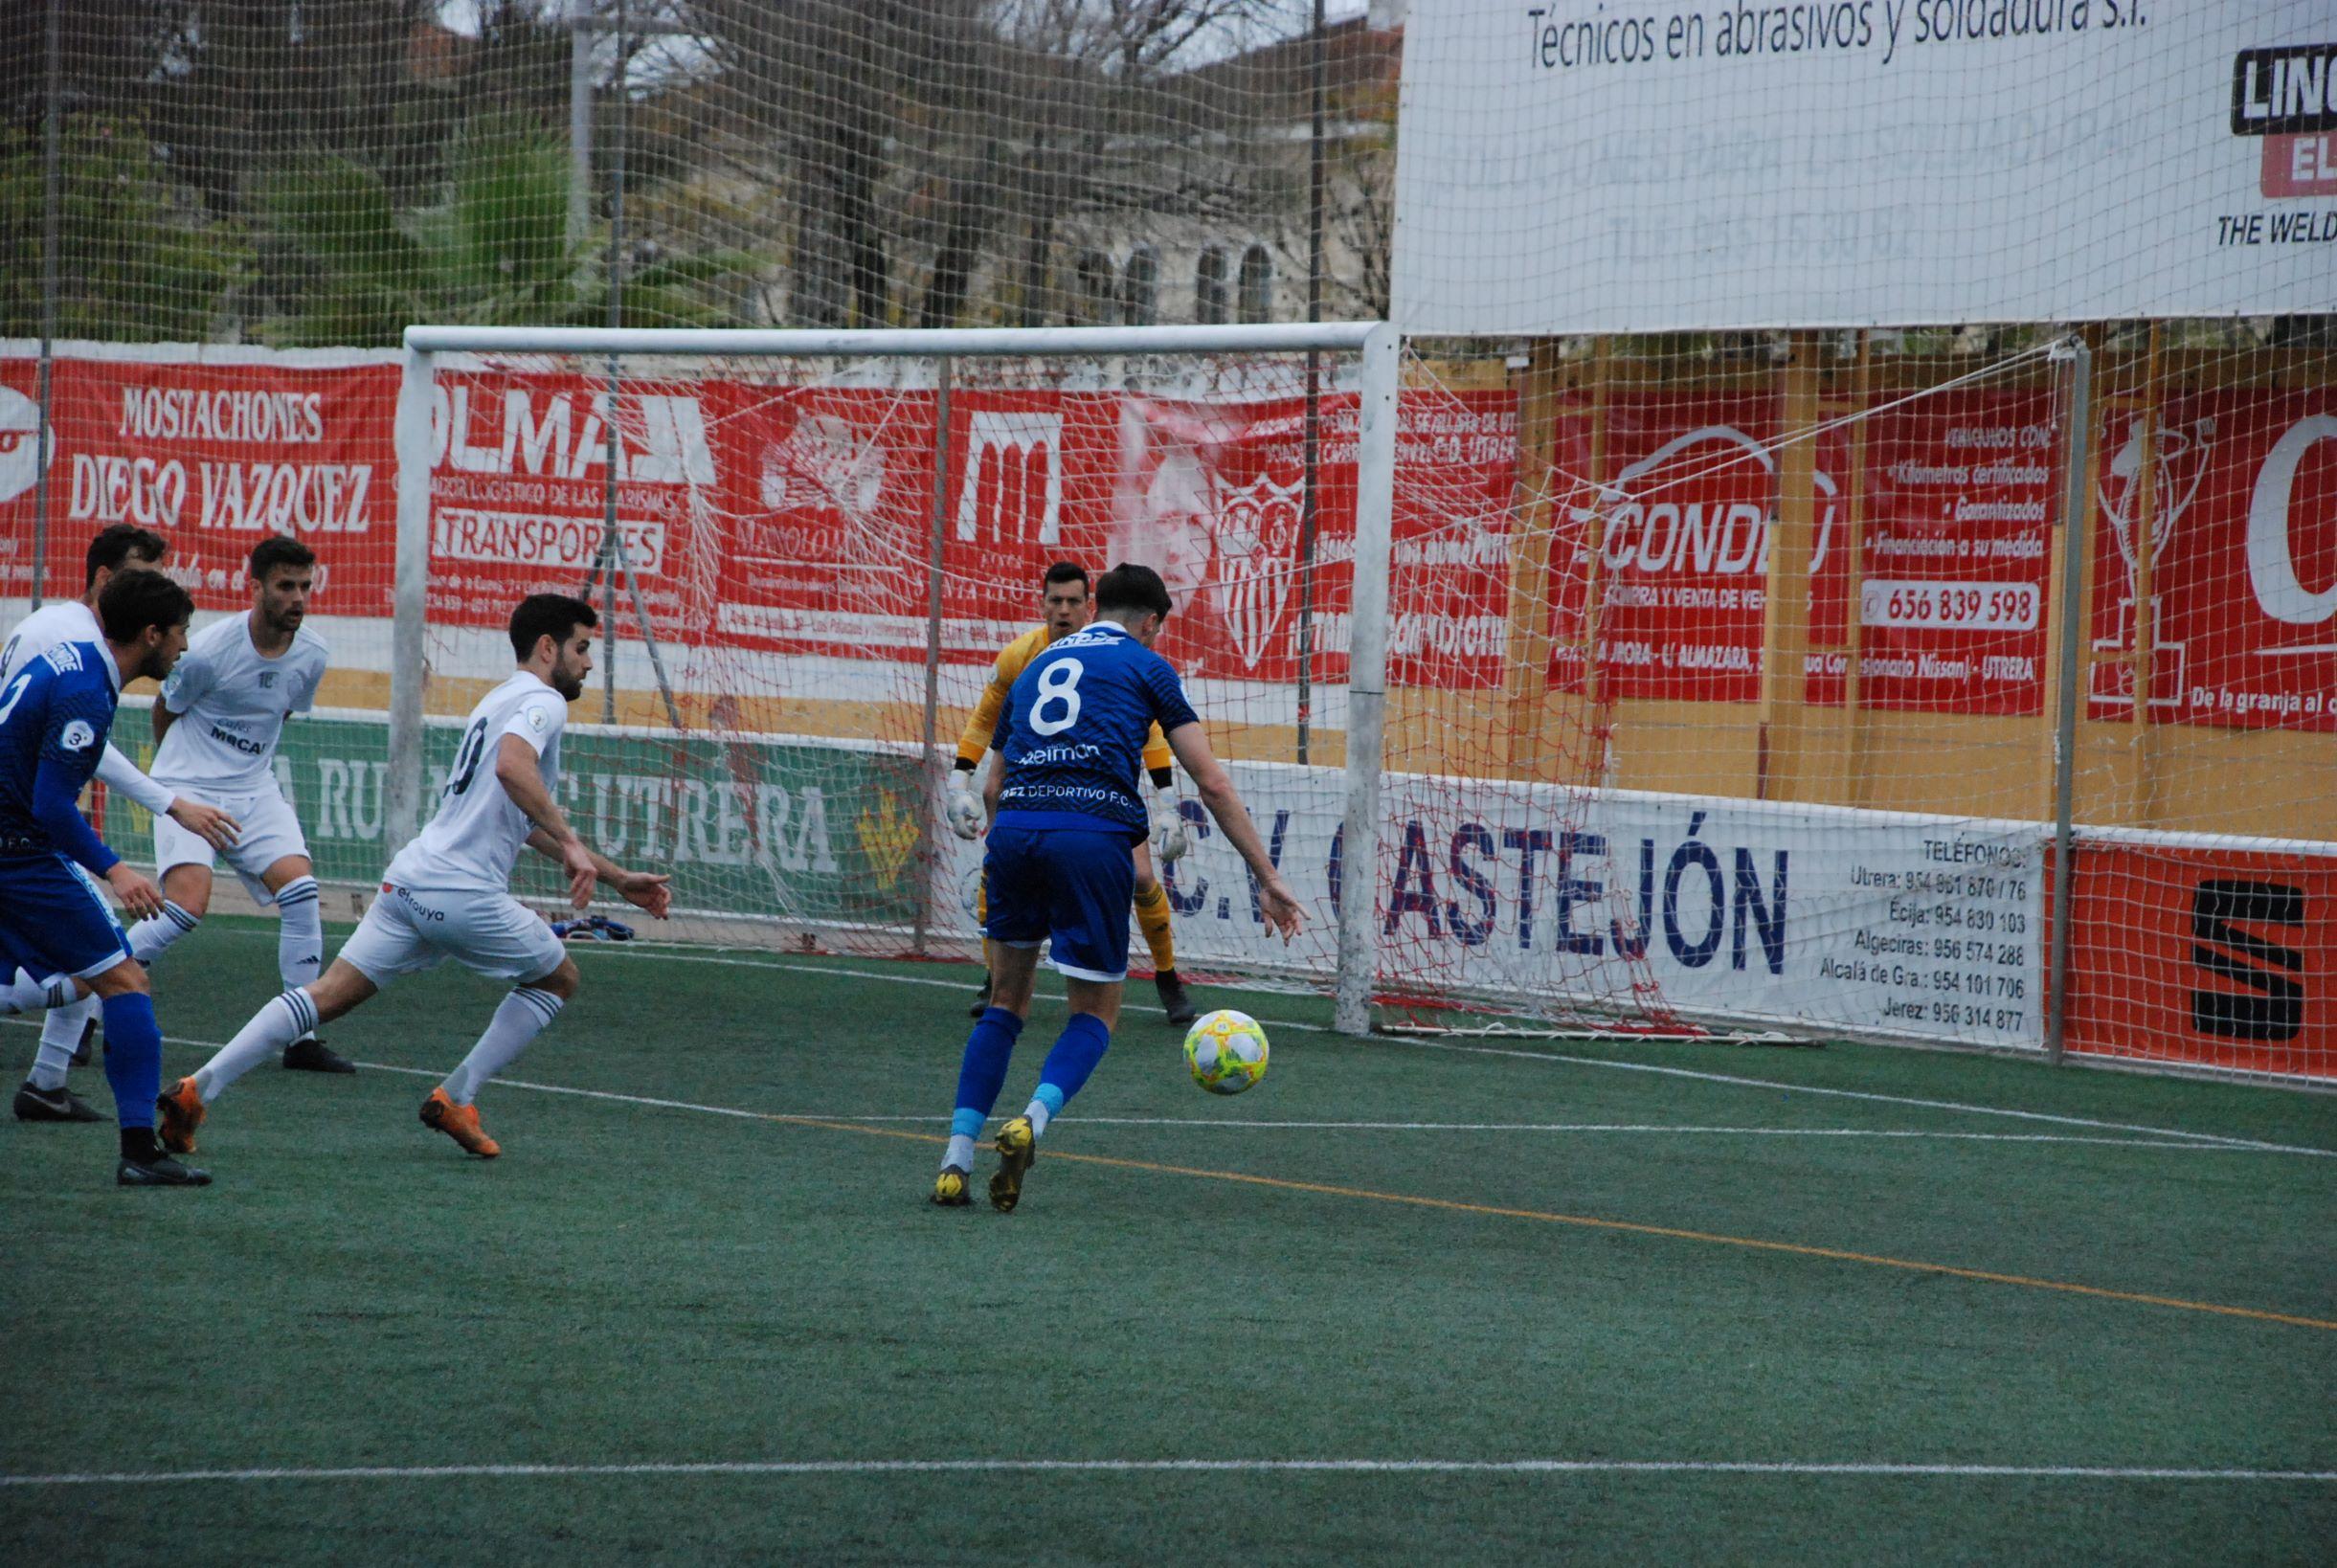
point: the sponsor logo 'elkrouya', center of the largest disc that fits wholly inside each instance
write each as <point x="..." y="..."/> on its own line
<point x="2289" y="91"/>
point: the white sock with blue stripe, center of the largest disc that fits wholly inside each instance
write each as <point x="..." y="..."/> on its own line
<point x="300" y="933"/>
<point x="27" y="994"/>
<point x="272" y="1028"/>
<point x="518" y="1019"/>
<point x="152" y="935"/>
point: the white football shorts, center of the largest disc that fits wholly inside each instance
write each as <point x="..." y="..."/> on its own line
<point x="411" y="928"/>
<point x="271" y="831"/>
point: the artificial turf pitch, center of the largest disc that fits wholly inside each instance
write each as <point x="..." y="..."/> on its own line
<point x="749" y="1276"/>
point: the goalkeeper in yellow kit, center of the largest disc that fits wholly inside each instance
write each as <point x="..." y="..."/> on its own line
<point x="1066" y="601"/>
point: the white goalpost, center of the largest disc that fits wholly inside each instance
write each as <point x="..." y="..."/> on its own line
<point x="501" y="494"/>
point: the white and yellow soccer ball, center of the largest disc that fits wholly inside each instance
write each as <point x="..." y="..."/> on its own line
<point x="1227" y="1051"/>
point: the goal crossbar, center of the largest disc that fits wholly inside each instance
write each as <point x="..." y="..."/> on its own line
<point x="961" y="342"/>
<point x="1375" y="345"/>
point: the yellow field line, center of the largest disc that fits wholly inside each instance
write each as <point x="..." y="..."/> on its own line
<point x="1548" y="1217"/>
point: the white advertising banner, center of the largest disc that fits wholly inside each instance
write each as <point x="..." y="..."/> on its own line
<point x="1592" y="165"/>
<point x="1818" y="917"/>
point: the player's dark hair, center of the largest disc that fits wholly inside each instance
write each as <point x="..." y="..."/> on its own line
<point x="1129" y="586"/>
<point x="551" y="616"/>
<point x="135" y="600"/>
<point x="116" y="544"/>
<point x="278" y="549"/>
<point x="1065" y="571"/>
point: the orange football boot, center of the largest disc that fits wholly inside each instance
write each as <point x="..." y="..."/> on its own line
<point x="460" y="1123"/>
<point x="178" y="1110"/>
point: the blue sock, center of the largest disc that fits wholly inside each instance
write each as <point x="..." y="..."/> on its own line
<point x="1077" y="1051"/>
<point x="989" y="1047"/>
<point x="133" y="1056"/>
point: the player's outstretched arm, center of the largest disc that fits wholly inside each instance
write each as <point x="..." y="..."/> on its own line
<point x="966" y="816"/>
<point x="522" y="779"/>
<point x="982" y="723"/>
<point x="118" y="773"/>
<point x="639" y="888"/>
<point x="1215" y="787"/>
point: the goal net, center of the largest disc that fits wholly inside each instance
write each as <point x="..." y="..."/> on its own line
<point x="822" y="544"/>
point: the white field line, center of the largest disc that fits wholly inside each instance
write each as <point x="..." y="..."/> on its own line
<point x="1354" y="1127"/>
<point x="1177" y="1467"/>
<point x="1732" y="1079"/>
<point x="1237" y="1124"/>
<point x="1958" y="1108"/>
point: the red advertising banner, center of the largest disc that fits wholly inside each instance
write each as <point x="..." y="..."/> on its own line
<point x="2215" y="957"/>
<point x="826" y="495"/>
<point x="212" y="455"/>
<point x="1959" y="509"/>
<point x="1960" y="506"/>
<point x="1212" y="496"/>
<point x="2230" y="501"/>
<point x="1685" y="553"/>
<point x="788" y="516"/>
<point x="829" y="498"/>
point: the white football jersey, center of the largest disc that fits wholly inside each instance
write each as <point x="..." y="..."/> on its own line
<point x="51" y="626"/>
<point x="475" y="840"/>
<point x="232" y="702"/>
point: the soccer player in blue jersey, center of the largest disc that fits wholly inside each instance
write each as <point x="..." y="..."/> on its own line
<point x="1066" y="757"/>
<point x="55" y="715"/>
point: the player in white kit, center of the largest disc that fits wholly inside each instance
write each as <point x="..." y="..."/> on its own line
<point x="217" y="723"/>
<point x="447" y="894"/>
<point x="43" y="1096"/>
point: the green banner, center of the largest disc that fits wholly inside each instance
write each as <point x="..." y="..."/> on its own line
<point x="808" y="831"/>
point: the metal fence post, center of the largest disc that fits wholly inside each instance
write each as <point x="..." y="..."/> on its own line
<point x="2081" y="360"/>
<point x="52" y="143"/>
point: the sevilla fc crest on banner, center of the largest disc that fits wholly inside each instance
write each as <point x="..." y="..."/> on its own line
<point x="1256" y="545"/>
<point x="1208" y="498"/>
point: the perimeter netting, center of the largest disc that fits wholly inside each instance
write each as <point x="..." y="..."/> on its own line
<point x="1623" y="756"/>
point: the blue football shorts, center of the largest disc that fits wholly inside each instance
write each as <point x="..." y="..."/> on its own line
<point x="1068" y="886"/>
<point x="54" y="920"/>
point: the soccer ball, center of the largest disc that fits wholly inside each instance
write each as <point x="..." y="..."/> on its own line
<point x="1227" y="1051"/>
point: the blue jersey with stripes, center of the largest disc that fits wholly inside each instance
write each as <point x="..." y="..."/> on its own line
<point x="1073" y="730"/>
<point x="57" y="708"/>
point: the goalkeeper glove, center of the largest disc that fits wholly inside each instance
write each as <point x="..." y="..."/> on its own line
<point x="963" y="812"/>
<point x="1170" y="840"/>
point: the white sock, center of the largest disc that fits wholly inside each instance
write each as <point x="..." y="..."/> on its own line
<point x="152" y="936"/>
<point x="300" y="933"/>
<point x="960" y="1152"/>
<point x="26" y="994"/>
<point x="60" y="1034"/>
<point x="518" y="1019"/>
<point x="1039" y="1116"/>
<point x="272" y="1028"/>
